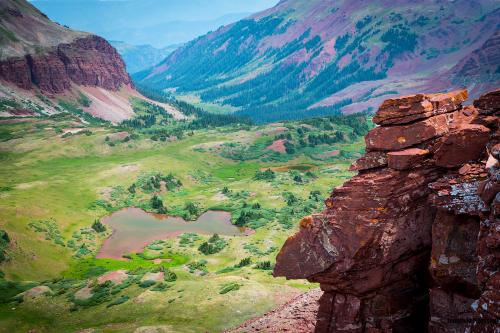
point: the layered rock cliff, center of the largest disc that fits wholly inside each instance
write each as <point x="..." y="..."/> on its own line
<point x="412" y="243"/>
<point x="88" y="61"/>
<point x="37" y="52"/>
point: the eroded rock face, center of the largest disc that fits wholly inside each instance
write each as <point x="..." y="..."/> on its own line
<point x="89" y="61"/>
<point x="412" y="243"/>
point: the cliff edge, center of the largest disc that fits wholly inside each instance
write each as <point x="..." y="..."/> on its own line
<point x="412" y="243"/>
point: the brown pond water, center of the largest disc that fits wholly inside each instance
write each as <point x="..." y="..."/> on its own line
<point x="133" y="229"/>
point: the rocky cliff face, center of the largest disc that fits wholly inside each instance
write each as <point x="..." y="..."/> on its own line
<point x="412" y="243"/>
<point x="36" y="52"/>
<point x="88" y="61"/>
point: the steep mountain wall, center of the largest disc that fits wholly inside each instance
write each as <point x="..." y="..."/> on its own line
<point x="88" y="61"/>
<point x="412" y="243"/>
<point x="36" y="52"/>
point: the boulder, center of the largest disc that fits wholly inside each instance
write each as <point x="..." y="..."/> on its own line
<point x="156" y="277"/>
<point x="116" y="277"/>
<point x="84" y="294"/>
<point x="406" y="159"/>
<point x="489" y="103"/>
<point x="35" y="292"/>
<point x="408" y="109"/>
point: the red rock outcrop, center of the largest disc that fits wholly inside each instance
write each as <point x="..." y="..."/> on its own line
<point x="412" y="243"/>
<point x="88" y="61"/>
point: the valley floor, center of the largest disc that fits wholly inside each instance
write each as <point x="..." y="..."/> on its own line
<point x="55" y="185"/>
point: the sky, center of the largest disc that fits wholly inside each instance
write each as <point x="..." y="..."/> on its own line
<point x="156" y="22"/>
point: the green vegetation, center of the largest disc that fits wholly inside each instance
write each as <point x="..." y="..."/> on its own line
<point x="122" y="299"/>
<point x="214" y="245"/>
<point x="75" y="109"/>
<point x="67" y="185"/>
<point x="264" y="265"/>
<point x="83" y="100"/>
<point x="213" y="71"/>
<point x="98" y="226"/>
<point x="4" y="244"/>
<point x="226" y="288"/>
<point x="7" y="36"/>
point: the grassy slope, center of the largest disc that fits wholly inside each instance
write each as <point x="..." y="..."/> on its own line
<point x="45" y="176"/>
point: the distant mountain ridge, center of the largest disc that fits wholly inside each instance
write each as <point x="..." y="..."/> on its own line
<point x="141" y="57"/>
<point x="156" y="22"/>
<point x="308" y="58"/>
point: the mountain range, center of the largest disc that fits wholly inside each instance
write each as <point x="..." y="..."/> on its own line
<point x="309" y="58"/>
<point x="156" y="22"/>
<point x="142" y="57"/>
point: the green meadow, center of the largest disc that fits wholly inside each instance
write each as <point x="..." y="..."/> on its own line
<point x="59" y="177"/>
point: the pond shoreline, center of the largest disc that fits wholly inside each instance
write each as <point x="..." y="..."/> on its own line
<point x="134" y="228"/>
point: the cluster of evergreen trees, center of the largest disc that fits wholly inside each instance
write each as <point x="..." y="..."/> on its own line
<point x="202" y="119"/>
<point x="4" y="243"/>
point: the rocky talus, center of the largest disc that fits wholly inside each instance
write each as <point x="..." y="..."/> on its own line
<point x="297" y="316"/>
<point x="412" y="243"/>
<point x="87" y="61"/>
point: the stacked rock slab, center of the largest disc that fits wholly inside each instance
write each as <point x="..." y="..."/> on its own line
<point x="396" y="249"/>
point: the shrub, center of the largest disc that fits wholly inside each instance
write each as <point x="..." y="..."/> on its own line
<point x="267" y="175"/>
<point x="229" y="287"/>
<point x="170" y="276"/>
<point x="245" y="262"/>
<point x="264" y="265"/>
<point x="214" y="245"/>
<point x="100" y="294"/>
<point x="198" y="266"/>
<point x="4" y="243"/>
<point x="120" y="300"/>
<point x="147" y="284"/>
<point x="9" y="289"/>
<point x="160" y="287"/>
<point x="157" y="204"/>
<point x="191" y="208"/>
<point x="98" y="226"/>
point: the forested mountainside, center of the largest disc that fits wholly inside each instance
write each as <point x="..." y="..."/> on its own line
<point x="308" y="58"/>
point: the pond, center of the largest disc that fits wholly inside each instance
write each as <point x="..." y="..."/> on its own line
<point x="133" y="229"/>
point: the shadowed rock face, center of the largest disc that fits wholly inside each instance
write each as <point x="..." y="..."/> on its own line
<point x="411" y="244"/>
